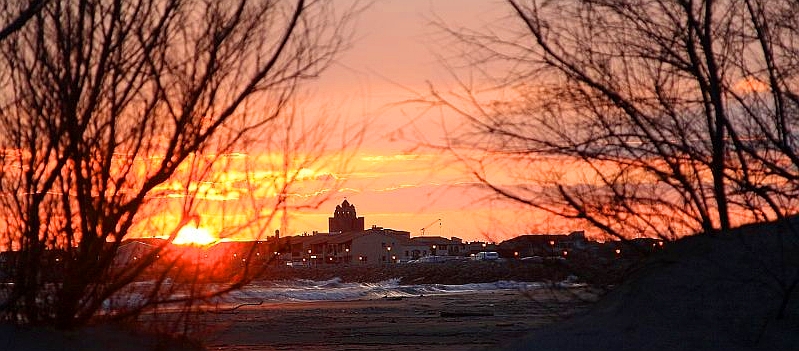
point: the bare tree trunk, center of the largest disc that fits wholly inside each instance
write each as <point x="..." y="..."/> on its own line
<point x="659" y="118"/>
<point x="120" y="111"/>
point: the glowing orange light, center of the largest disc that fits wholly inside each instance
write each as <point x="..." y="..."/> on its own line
<point x="750" y="85"/>
<point x="190" y="235"/>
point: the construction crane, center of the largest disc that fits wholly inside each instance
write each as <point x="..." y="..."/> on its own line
<point x="431" y="223"/>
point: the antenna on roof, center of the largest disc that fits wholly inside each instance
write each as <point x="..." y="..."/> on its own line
<point x="431" y="223"/>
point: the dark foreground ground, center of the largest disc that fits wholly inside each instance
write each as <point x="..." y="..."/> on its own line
<point x="734" y="291"/>
<point x="729" y="291"/>
<point x="464" y="321"/>
<point x="469" y="321"/>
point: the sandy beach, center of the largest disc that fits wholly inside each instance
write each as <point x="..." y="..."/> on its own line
<point x="462" y="321"/>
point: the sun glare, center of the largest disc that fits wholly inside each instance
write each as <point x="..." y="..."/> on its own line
<point x="190" y="235"/>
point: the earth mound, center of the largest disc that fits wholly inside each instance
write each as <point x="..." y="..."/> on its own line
<point x="728" y="291"/>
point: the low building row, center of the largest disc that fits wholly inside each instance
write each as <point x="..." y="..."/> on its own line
<point x="348" y="242"/>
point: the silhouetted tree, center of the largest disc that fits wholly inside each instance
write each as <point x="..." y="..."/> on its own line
<point x="674" y="117"/>
<point x="110" y="107"/>
<point x="655" y="118"/>
<point x="15" y="20"/>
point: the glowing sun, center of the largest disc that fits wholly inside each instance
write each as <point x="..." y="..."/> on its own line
<point x="190" y="235"/>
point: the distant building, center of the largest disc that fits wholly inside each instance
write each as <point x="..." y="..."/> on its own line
<point x="372" y="246"/>
<point x="543" y="245"/>
<point x="475" y="247"/>
<point x="345" y="219"/>
<point x="348" y="242"/>
<point x="440" y="246"/>
<point x="239" y="253"/>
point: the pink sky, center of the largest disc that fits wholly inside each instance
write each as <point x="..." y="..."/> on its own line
<point x="394" y="55"/>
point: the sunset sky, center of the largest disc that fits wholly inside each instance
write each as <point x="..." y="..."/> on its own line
<point x="394" y="57"/>
<point x="397" y="55"/>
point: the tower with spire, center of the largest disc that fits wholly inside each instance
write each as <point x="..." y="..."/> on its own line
<point x="345" y="219"/>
